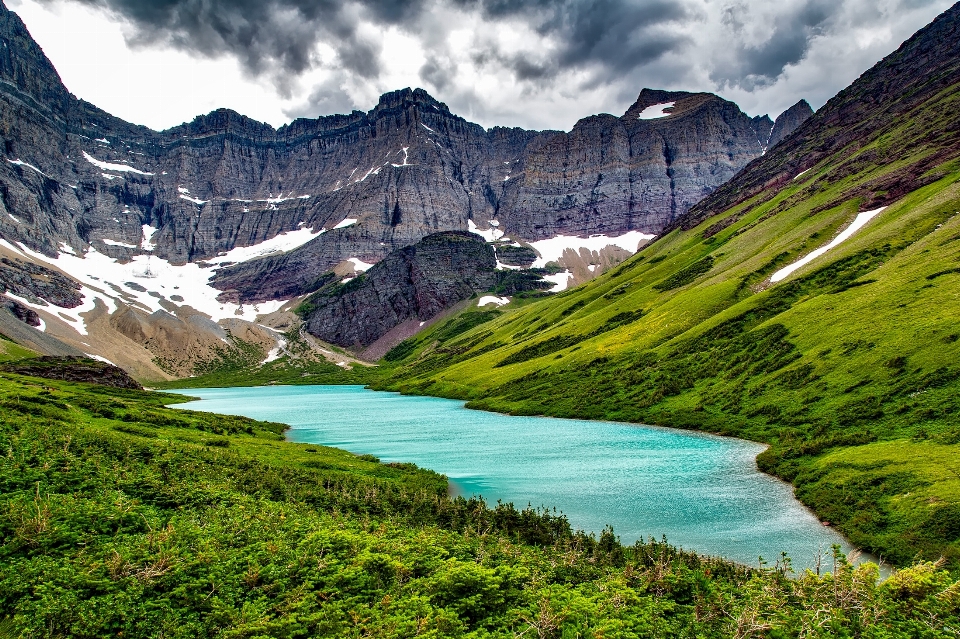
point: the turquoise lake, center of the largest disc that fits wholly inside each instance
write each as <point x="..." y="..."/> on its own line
<point x="703" y="492"/>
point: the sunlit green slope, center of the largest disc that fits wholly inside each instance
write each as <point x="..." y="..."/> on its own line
<point x="849" y="367"/>
<point x="124" y="518"/>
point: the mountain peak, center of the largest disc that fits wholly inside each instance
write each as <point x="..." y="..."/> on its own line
<point x="408" y="97"/>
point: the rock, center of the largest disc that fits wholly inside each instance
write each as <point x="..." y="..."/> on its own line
<point x="73" y="369"/>
<point x="789" y="121"/>
<point x="76" y="177"/>
<point x="38" y="284"/>
<point x="24" y="314"/>
<point x="416" y="282"/>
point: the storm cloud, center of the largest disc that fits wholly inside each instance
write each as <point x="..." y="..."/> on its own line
<point x="767" y="55"/>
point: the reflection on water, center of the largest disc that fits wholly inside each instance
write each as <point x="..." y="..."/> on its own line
<point x="703" y="492"/>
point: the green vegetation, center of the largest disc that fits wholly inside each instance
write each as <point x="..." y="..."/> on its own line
<point x="849" y="368"/>
<point x="122" y="517"/>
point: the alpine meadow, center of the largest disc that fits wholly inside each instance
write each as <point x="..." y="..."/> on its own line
<point x="792" y="281"/>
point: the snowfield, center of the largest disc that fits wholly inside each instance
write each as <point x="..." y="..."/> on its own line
<point x="551" y="249"/>
<point x="847" y="233"/>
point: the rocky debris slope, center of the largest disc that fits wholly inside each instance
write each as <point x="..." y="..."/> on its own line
<point x="73" y="369"/>
<point x="887" y="100"/>
<point x="414" y="283"/>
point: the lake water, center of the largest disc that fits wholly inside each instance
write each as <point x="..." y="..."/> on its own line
<point x="703" y="492"/>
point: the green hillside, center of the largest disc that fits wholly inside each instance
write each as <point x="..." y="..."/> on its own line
<point x="849" y="367"/>
<point x="124" y="518"/>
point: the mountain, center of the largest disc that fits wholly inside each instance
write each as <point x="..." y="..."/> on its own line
<point x="203" y="237"/>
<point x="788" y="122"/>
<point x="809" y="303"/>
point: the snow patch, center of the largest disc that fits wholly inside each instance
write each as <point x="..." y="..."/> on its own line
<point x="195" y="200"/>
<point x="406" y="156"/>
<point x="847" y="233"/>
<point x="493" y="299"/>
<point x="801" y="173"/>
<point x="427" y="128"/>
<point x="95" y="271"/>
<point x="560" y="281"/>
<point x="359" y="266"/>
<point x="102" y="140"/>
<point x="115" y="243"/>
<point x="277" y="244"/>
<point x="29" y="166"/>
<point x="655" y="111"/>
<point x="99" y="358"/>
<point x="148" y="243"/>
<point x="551" y="249"/>
<point x="491" y="235"/>
<point x="350" y="221"/>
<point x="110" y="166"/>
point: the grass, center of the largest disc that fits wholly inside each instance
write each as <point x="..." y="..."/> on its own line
<point x="123" y="517"/>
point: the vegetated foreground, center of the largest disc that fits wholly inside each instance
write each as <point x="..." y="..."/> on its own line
<point x="849" y="367"/>
<point x="124" y="518"/>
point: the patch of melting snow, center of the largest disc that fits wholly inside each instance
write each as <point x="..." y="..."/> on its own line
<point x="99" y="358"/>
<point x="492" y="234"/>
<point x="148" y="243"/>
<point x="406" y="157"/>
<point x="110" y="166"/>
<point x="276" y="351"/>
<point x="43" y="326"/>
<point x="195" y="200"/>
<point x="552" y="249"/>
<point x="427" y="128"/>
<point x="801" y="173"/>
<point x="14" y="219"/>
<point x="493" y="299"/>
<point x="115" y="243"/>
<point x="350" y="221"/>
<point x="358" y="265"/>
<point x="95" y="271"/>
<point x="847" y="233"/>
<point x="508" y="267"/>
<point x="183" y="190"/>
<point x="655" y="111"/>
<point x="102" y="140"/>
<point x="112" y="177"/>
<point x="560" y="281"/>
<point x="29" y="166"/>
<point x="277" y="244"/>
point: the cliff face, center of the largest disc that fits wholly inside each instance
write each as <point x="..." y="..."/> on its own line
<point x="789" y="121"/>
<point x="417" y="282"/>
<point x="75" y="176"/>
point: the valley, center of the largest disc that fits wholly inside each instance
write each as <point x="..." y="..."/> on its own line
<point x="685" y="337"/>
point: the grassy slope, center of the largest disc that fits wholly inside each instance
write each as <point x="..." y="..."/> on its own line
<point x="124" y="518"/>
<point x="850" y="368"/>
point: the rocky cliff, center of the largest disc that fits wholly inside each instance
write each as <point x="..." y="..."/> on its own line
<point x="76" y="177"/>
<point x="414" y="283"/>
<point x="788" y="122"/>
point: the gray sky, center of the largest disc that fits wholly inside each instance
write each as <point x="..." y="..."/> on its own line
<point x="536" y="64"/>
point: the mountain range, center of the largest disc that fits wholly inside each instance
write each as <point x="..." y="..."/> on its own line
<point x="236" y="218"/>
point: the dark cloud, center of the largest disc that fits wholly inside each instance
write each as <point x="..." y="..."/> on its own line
<point x="274" y="37"/>
<point x="742" y="46"/>
<point x="790" y="36"/>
